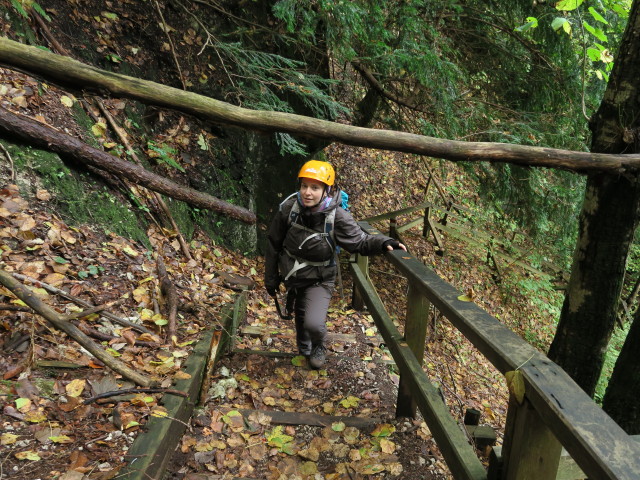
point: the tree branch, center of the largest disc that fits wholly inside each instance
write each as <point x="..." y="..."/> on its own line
<point x="77" y="75"/>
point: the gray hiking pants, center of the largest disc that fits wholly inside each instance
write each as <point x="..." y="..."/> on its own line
<point x="310" y="308"/>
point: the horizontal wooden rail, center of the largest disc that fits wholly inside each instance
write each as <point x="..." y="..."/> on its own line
<point x="600" y="447"/>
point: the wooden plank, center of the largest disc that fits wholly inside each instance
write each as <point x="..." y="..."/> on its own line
<point x="397" y="213"/>
<point x="458" y="453"/>
<point x="271" y="354"/>
<point x="531" y="450"/>
<point x="314" y="419"/>
<point x="260" y="331"/>
<point x="594" y="440"/>
<point x="152" y="449"/>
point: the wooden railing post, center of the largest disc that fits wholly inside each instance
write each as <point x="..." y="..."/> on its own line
<point x="530" y="450"/>
<point x="393" y="227"/>
<point x="356" y="300"/>
<point x="415" y="334"/>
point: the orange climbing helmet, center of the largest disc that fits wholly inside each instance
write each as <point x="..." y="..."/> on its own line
<point x="318" y="170"/>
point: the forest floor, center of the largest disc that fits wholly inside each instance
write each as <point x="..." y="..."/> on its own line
<point x="53" y="429"/>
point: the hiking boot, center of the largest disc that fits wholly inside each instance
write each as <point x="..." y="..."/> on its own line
<point x="317" y="358"/>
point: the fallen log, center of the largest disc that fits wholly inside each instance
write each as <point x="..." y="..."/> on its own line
<point x="45" y="137"/>
<point x="77" y="75"/>
<point x="28" y="297"/>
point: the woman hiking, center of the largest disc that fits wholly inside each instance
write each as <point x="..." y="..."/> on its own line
<point x="301" y="252"/>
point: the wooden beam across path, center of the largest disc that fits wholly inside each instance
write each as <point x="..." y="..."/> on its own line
<point x="315" y="419"/>
<point x="458" y="453"/>
<point x="601" y="448"/>
<point x="79" y="76"/>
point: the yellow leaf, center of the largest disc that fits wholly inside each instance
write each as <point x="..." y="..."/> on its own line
<point x="35" y="416"/>
<point x="159" y="411"/>
<point x="28" y="455"/>
<point x="75" y="387"/>
<point x="464" y="298"/>
<point x="66" y="101"/>
<point x="61" y="439"/>
<point x="350" y="401"/>
<point x="99" y="129"/>
<point x="387" y="446"/>
<point x="515" y="383"/>
<point x="8" y="439"/>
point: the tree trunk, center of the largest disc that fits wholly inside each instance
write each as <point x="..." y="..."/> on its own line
<point x="40" y="135"/>
<point x="621" y="398"/>
<point x="77" y="75"/>
<point x="607" y="224"/>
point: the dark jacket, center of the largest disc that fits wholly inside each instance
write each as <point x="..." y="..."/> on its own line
<point x="283" y="237"/>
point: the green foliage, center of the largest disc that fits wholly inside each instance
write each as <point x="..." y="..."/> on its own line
<point x="164" y="154"/>
<point x="23" y="6"/>
<point x="613" y="350"/>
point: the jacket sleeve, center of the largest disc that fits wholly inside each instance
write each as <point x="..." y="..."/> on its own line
<point x="275" y="239"/>
<point x="353" y="239"/>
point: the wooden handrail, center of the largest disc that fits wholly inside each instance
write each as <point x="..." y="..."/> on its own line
<point x="600" y="447"/>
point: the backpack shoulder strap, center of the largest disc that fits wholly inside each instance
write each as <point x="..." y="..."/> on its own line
<point x="295" y="209"/>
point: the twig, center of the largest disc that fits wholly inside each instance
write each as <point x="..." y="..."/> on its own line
<point x="81" y="302"/>
<point x="170" y="295"/>
<point x="90" y="311"/>
<point x="6" y="154"/>
<point x="14" y="308"/>
<point x="173" y="51"/>
<point x="105" y="337"/>
<point x="127" y="391"/>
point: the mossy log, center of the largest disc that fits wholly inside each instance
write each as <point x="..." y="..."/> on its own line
<point x="77" y="75"/>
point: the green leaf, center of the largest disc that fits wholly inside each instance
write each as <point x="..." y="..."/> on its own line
<point x="596" y="32"/>
<point x="41" y="11"/>
<point x="21" y="402"/>
<point x="110" y="15"/>
<point x="594" y="54"/>
<point x="568" y="5"/>
<point x="597" y="17"/>
<point x="60" y="260"/>
<point x="515" y="383"/>
<point x="383" y="430"/>
<point x="298" y="361"/>
<point x="277" y="438"/>
<point x="83" y="274"/>
<point x="532" y="22"/>
<point x="338" y="426"/>
<point x="18" y="6"/>
<point x="202" y="143"/>
<point x="557" y="22"/>
<point x="464" y="298"/>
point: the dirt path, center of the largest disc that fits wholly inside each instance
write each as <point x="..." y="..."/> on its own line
<point x="268" y="415"/>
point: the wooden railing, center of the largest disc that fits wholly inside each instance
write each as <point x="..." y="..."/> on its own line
<point x="554" y="412"/>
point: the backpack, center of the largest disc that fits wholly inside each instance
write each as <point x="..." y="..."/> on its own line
<point x="328" y="233"/>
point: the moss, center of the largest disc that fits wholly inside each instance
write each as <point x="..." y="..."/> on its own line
<point x="78" y="197"/>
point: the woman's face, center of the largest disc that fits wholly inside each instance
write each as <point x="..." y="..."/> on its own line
<point x="311" y="191"/>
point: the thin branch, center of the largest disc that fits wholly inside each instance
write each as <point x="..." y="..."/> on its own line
<point x="165" y="29"/>
<point x="128" y="391"/>
<point x="6" y="154"/>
